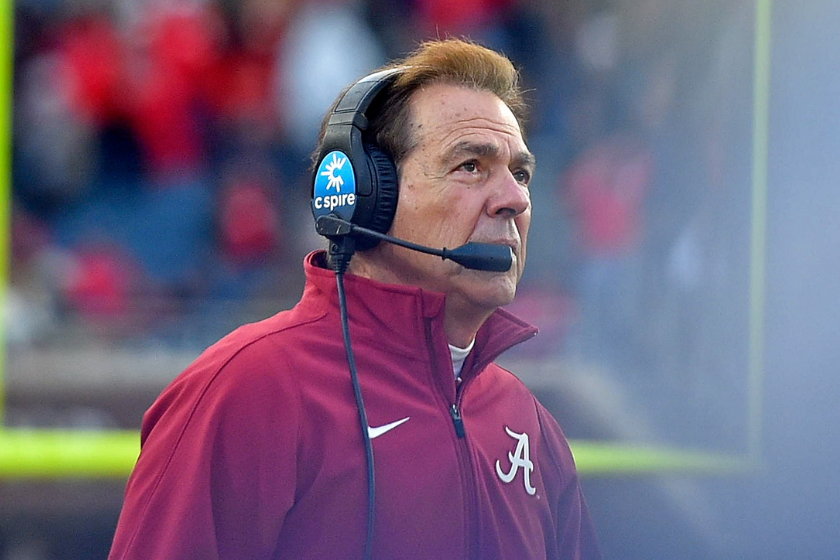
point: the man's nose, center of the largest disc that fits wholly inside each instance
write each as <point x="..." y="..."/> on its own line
<point x="508" y="198"/>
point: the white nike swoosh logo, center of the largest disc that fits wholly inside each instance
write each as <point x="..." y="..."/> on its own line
<point x="374" y="433"/>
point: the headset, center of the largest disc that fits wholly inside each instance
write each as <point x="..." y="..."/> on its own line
<point x="354" y="179"/>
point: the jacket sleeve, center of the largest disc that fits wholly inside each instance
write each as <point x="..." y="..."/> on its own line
<point x="576" y="536"/>
<point x="217" y="469"/>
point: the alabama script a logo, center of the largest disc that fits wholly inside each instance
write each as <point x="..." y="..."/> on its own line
<point x="519" y="458"/>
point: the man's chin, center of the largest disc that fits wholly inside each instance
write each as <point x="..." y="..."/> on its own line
<point x="493" y="293"/>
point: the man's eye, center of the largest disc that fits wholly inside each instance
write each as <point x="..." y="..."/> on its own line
<point x="522" y="176"/>
<point x="469" y="166"/>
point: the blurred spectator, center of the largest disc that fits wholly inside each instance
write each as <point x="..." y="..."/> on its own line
<point x="329" y="45"/>
<point x="95" y="60"/>
<point x="98" y="285"/>
<point x="173" y="49"/>
<point x="54" y="142"/>
<point x="248" y="219"/>
<point x="29" y="306"/>
<point x="239" y="84"/>
<point x="606" y="188"/>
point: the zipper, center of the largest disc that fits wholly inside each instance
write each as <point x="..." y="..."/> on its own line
<point x="468" y="475"/>
<point x="455" y="413"/>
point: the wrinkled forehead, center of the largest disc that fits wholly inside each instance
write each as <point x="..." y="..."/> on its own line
<point x="446" y="114"/>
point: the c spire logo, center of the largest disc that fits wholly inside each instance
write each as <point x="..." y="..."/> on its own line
<point x="335" y="173"/>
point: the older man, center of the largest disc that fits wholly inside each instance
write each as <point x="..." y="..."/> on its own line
<point x="256" y="450"/>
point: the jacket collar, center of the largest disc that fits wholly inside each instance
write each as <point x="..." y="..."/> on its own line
<point x="407" y="314"/>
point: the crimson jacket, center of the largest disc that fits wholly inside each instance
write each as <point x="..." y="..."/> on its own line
<point x="255" y="451"/>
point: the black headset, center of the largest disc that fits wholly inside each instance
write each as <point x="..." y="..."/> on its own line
<point x="354" y="178"/>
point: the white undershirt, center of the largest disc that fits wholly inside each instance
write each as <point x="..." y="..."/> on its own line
<point x="459" y="355"/>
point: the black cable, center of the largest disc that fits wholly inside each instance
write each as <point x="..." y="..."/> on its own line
<point x="340" y="252"/>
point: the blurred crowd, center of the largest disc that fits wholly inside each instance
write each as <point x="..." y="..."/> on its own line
<point x="162" y="152"/>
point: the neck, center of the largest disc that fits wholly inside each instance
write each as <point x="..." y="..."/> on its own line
<point x="461" y="323"/>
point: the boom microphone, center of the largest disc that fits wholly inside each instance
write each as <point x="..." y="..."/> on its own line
<point x="475" y="256"/>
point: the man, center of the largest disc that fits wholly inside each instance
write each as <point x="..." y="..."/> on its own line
<point x="256" y="451"/>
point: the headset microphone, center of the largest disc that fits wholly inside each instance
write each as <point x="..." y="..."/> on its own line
<point x="475" y="256"/>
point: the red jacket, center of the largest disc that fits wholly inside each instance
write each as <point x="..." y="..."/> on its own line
<point x="255" y="450"/>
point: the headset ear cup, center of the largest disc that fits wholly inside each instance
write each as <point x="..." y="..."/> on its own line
<point x="384" y="177"/>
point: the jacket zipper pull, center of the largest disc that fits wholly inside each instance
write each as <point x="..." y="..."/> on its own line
<point x="457" y="420"/>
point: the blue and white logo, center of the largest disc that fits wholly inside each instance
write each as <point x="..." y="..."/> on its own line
<point x="335" y="186"/>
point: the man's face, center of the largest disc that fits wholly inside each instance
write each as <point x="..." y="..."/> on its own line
<point x="465" y="180"/>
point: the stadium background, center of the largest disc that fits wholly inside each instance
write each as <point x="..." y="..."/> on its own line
<point x="682" y="258"/>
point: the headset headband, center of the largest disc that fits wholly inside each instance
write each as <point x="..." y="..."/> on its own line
<point x="355" y="102"/>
